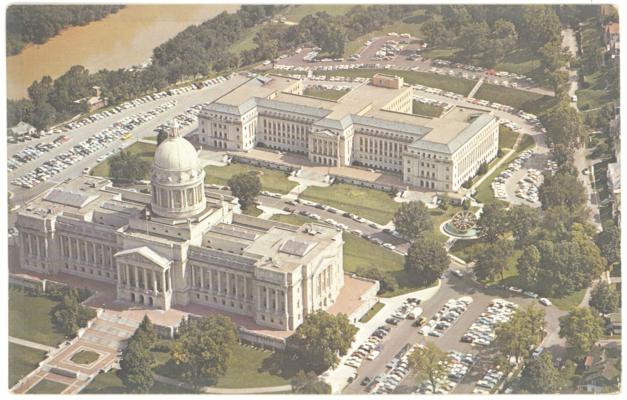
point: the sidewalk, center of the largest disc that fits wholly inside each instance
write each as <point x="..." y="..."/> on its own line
<point x="215" y="390"/>
<point x="32" y="345"/>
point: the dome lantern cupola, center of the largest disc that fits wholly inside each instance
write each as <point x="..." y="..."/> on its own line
<point x="176" y="177"/>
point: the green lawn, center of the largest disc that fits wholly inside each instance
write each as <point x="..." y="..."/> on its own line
<point x="271" y="180"/>
<point x="29" y="319"/>
<point x="521" y="62"/>
<point x="448" y="83"/>
<point x="47" y="387"/>
<point x="22" y="360"/>
<point x="372" y="204"/>
<point x="325" y="93"/>
<point x="110" y="383"/>
<point x="568" y="303"/>
<point x="507" y="137"/>
<point x="442" y="53"/>
<point x="246" y="362"/>
<point x="528" y="101"/>
<point x="372" y="312"/>
<point x="145" y="151"/>
<point x="426" y="109"/>
<point x="246" y="41"/>
<point x="598" y="91"/>
<point x="484" y="191"/>
<point x="362" y="253"/>
<point x="85" y="357"/>
<point x="294" y="13"/>
<point x="252" y="211"/>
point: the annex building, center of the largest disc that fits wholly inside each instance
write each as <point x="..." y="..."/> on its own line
<point x="179" y="246"/>
<point x="372" y="125"/>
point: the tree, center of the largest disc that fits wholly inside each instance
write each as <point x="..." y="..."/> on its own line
<point x="582" y="329"/>
<point x="473" y="38"/>
<point x="528" y="266"/>
<point x="523" y="331"/>
<point x="562" y="190"/>
<point x="428" y="362"/>
<point x="540" y="375"/>
<point x="161" y="136"/>
<point x="492" y="223"/>
<point x="246" y="187"/>
<point x="309" y="383"/>
<point x="321" y="340"/>
<point x="609" y="242"/>
<point x="411" y="219"/>
<point x="435" y="32"/>
<point x="523" y="221"/>
<point x="146" y="333"/>
<point x="203" y="348"/>
<point x="69" y="316"/>
<point x="126" y="166"/>
<point x="492" y="261"/>
<point x="604" y="298"/>
<point x="426" y="260"/>
<point x="136" y="364"/>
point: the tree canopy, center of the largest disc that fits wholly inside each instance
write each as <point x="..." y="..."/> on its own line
<point x="604" y="298"/>
<point x="126" y="166"/>
<point x="246" y="187"/>
<point x="582" y="328"/>
<point x="309" y="383"/>
<point x="426" y="260"/>
<point x="492" y="223"/>
<point x="137" y="360"/>
<point x="540" y="375"/>
<point x="203" y="347"/>
<point x="321" y="340"/>
<point x="412" y="219"/>
<point x="429" y="363"/>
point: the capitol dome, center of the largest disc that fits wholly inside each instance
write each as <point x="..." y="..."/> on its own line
<point x="177" y="178"/>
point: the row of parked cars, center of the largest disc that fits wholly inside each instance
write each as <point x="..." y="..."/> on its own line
<point x="409" y="309"/>
<point x="489" y="381"/>
<point x="482" y="331"/>
<point x="489" y="72"/>
<point x="398" y="368"/>
<point x="88" y="146"/>
<point x="30" y="153"/>
<point x="498" y="184"/>
<point x="457" y="365"/>
<point x="528" y="186"/>
<point x="446" y="316"/>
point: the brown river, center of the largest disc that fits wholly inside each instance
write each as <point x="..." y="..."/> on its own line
<point x="120" y="40"/>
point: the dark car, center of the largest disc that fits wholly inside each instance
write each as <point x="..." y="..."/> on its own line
<point x="392" y="321"/>
<point x="365" y="381"/>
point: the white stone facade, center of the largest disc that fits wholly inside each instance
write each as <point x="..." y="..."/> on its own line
<point x="371" y="126"/>
<point x="164" y="253"/>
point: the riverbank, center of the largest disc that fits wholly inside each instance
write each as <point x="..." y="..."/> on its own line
<point x="120" y="40"/>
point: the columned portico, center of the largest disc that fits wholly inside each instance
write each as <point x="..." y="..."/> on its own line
<point x="144" y="278"/>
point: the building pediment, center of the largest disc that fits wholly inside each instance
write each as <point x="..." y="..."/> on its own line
<point x="143" y="255"/>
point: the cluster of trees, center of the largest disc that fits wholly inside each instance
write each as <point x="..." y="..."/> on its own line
<point x="428" y="361"/>
<point x="582" y="328"/>
<point x="126" y="166"/>
<point x="604" y="298"/>
<point x="516" y="338"/>
<point x="489" y="34"/>
<point x="309" y="383"/>
<point x="37" y="23"/>
<point x="387" y="280"/>
<point x="69" y="315"/>
<point x="137" y="361"/>
<point x="320" y="341"/>
<point x="246" y="187"/>
<point x="203" y="347"/>
<point x="412" y="219"/>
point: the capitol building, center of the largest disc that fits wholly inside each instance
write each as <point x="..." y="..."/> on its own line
<point x="181" y="246"/>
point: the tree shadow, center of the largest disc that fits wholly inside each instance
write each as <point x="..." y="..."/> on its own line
<point x="282" y="364"/>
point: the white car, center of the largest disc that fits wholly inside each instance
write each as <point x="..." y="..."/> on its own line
<point x="545" y="302"/>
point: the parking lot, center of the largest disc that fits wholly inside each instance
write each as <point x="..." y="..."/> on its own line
<point x="404" y="333"/>
<point x="183" y="111"/>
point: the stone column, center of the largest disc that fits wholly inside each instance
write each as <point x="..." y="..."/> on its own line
<point x="163" y="283"/>
<point x="154" y="281"/>
<point x="245" y="288"/>
<point x="136" y="275"/>
<point x="193" y="276"/>
<point x="120" y="280"/>
<point x="276" y="301"/>
<point x="267" y="298"/>
<point x="228" y="284"/>
<point x="210" y="274"/>
<point x="202" y="277"/>
<point x="219" y="282"/>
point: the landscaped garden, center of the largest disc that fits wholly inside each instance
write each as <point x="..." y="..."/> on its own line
<point x="22" y="360"/>
<point x="328" y="94"/>
<point x="271" y="180"/>
<point x="29" y="318"/>
<point x="85" y="357"/>
<point x="372" y="204"/>
<point x="372" y="312"/>
<point x="427" y="110"/>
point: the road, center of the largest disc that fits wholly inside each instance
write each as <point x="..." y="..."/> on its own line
<point x="184" y="101"/>
<point x="581" y="160"/>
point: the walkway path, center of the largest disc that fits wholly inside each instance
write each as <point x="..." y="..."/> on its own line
<point x="499" y="163"/>
<point x="32" y="345"/>
<point x="215" y="390"/>
<point x="476" y="87"/>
